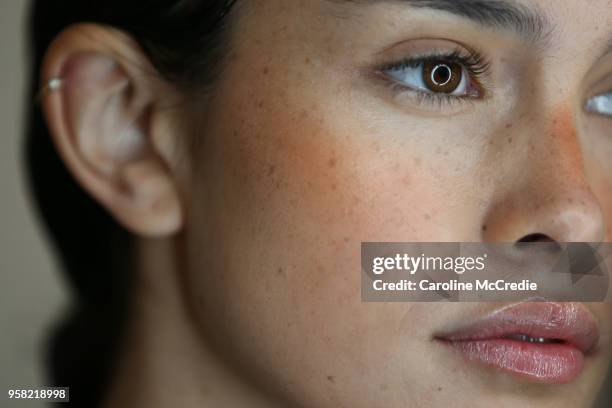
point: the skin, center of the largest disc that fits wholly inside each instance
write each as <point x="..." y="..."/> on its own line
<point x="249" y="203"/>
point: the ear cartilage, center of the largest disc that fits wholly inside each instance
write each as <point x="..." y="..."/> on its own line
<point x="52" y="85"/>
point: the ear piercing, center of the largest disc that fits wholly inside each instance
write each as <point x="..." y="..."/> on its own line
<point x="52" y="85"/>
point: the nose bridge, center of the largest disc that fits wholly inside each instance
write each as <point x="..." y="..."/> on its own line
<point x="560" y="160"/>
<point x="555" y="155"/>
<point x="554" y="144"/>
<point x="552" y="196"/>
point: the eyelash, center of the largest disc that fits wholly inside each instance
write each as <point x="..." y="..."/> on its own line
<point x="475" y="64"/>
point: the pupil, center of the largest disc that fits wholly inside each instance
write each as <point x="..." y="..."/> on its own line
<point x="441" y="75"/>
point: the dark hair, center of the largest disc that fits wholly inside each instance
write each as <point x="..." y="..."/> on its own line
<point x="185" y="41"/>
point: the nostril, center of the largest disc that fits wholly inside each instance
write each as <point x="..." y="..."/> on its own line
<point x="535" y="238"/>
<point x="538" y="238"/>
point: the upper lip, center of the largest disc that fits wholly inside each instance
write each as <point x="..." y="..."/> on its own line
<point x="570" y="323"/>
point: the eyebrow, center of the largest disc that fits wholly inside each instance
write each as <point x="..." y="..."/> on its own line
<point x="528" y="22"/>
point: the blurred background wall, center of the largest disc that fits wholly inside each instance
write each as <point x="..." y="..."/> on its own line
<point x="32" y="294"/>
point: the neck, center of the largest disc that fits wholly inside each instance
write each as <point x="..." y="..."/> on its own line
<point x="164" y="360"/>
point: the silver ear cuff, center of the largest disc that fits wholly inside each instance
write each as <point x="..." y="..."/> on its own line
<point x="51" y="86"/>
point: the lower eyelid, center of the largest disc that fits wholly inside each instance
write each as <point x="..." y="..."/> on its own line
<point x="424" y="96"/>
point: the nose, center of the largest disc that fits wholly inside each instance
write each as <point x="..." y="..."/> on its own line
<point x="548" y="198"/>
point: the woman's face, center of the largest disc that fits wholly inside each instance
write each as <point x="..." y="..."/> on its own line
<point x="337" y="122"/>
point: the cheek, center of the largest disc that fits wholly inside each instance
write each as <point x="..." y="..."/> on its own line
<point x="300" y="186"/>
<point x="337" y="185"/>
<point x="312" y="187"/>
<point x="290" y="192"/>
<point x="292" y="200"/>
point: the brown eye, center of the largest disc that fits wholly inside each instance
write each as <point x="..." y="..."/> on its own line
<point x="442" y="76"/>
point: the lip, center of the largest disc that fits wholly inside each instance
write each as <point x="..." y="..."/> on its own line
<point x="569" y="330"/>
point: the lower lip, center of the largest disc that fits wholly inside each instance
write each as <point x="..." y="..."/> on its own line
<point x="552" y="363"/>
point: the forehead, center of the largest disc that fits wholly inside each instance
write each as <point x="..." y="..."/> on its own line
<point x="329" y="28"/>
<point x="567" y="14"/>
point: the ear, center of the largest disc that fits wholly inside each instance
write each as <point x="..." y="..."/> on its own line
<point x="108" y="122"/>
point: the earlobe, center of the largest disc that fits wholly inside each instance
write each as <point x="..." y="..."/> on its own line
<point x="102" y="119"/>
